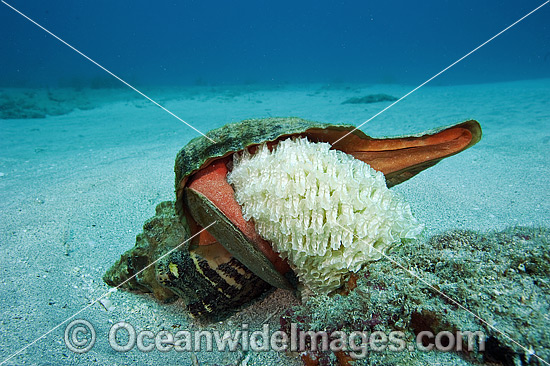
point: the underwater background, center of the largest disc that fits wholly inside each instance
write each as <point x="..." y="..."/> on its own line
<point x="203" y="42"/>
<point x="84" y="161"/>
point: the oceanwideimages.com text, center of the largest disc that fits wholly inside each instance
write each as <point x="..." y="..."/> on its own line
<point x="123" y="337"/>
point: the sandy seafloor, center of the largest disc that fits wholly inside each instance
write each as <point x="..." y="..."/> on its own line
<point x="76" y="188"/>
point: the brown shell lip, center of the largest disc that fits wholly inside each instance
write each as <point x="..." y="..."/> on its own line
<point x="399" y="158"/>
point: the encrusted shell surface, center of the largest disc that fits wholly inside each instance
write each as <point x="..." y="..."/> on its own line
<point x="235" y="137"/>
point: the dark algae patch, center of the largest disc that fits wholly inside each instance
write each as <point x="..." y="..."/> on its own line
<point x="371" y="98"/>
<point x="19" y="103"/>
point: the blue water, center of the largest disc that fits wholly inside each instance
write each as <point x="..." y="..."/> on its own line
<point x="236" y="42"/>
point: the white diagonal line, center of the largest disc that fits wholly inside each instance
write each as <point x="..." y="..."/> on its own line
<point x="442" y="71"/>
<point x="102" y="296"/>
<point x="529" y="351"/>
<point x="104" y="69"/>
